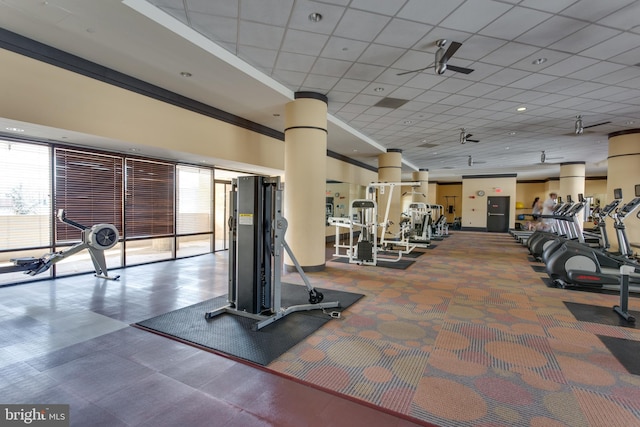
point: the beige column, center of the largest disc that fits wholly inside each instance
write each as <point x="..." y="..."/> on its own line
<point x="571" y="180"/>
<point x="624" y="173"/>
<point x="421" y="193"/>
<point x="305" y="170"/>
<point x="390" y="170"/>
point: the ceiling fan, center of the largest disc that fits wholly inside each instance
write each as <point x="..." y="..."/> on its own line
<point x="579" y="127"/>
<point x="544" y="158"/>
<point x="464" y="137"/>
<point x="442" y="60"/>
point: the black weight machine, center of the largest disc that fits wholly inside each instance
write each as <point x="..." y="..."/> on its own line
<point x="257" y="230"/>
<point x="95" y="239"/>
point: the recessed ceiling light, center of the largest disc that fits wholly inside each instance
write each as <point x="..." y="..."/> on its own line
<point x="630" y="122"/>
<point x="521" y="109"/>
<point x="315" y="17"/>
<point x="539" y="61"/>
<point x="185" y="74"/>
<point x="134" y="150"/>
<point x="15" y="129"/>
<point x="378" y="89"/>
<point x="506" y="148"/>
<point x="512" y="133"/>
<point x="407" y="122"/>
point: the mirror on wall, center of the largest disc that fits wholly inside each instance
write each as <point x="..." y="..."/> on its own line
<point x="338" y="198"/>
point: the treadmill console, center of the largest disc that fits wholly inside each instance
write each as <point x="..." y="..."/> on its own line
<point x="629" y="208"/>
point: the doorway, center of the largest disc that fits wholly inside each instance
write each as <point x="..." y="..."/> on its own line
<point x="498" y="214"/>
<point x="222" y="209"/>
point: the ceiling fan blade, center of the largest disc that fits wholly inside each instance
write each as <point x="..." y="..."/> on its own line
<point x="453" y="47"/>
<point x="590" y="126"/>
<point x="414" y="71"/>
<point x="473" y="140"/>
<point x="459" y="69"/>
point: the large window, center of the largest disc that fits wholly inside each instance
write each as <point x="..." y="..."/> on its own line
<point x="161" y="210"/>
<point x="194" y="210"/>
<point x="25" y="204"/>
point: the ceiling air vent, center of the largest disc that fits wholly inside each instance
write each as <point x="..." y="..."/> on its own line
<point x="391" y="102"/>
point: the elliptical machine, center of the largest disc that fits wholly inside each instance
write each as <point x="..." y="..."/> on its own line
<point x="577" y="265"/>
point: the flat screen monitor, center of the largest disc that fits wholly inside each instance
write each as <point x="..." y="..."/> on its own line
<point x="580" y="197"/>
<point x="569" y="198"/>
<point x="617" y="193"/>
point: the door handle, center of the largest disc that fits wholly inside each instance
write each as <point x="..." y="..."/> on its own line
<point x="495" y="214"/>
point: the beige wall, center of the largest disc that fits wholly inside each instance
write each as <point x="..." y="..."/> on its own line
<point x="454" y="194"/>
<point x="474" y="207"/>
<point x="39" y="93"/>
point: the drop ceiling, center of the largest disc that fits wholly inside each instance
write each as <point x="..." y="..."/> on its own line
<point x="557" y="58"/>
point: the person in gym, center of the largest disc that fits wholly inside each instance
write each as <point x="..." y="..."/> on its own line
<point x="536" y="208"/>
<point x="547" y="209"/>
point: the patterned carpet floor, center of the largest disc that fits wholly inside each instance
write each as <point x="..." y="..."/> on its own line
<point x="470" y="335"/>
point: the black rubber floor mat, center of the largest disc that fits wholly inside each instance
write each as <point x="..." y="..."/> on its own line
<point x="234" y="336"/>
<point x="625" y="351"/>
<point x="412" y="254"/>
<point x="539" y="268"/>
<point x="599" y="314"/>
<point x="399" y="265"/>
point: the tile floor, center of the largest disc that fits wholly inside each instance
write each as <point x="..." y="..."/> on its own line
<point x="70" y="341"/>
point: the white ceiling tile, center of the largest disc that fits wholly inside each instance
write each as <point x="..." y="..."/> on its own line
<point x="359" y="25"/>
<point x="405" y="93"/>
<point x="330" y="67"/>
<point x="428" y="11"/>
<point x="431" y="96"/>
<point x="584" y="38"/>
<point x="388" y="89"/>
<point x="386" y="7"/>
<point x="338" y="96"/>
<point x="506" y="77"/>
<point x="402" y="33"/>
<point x="225" y="8"/>
<point x="515" y="22"/>
<point x="582" y="88"/>
<point x="364" y="72"/>
<point x="452" y="85"/>
<point x="631" y="83"/>
<point x="510" y="53"/>
<point x="597" y="70"/>
<point x="569" y="66"/>
<point x="547" y="5"/>
<point x="377" y="54"/>
<point x="346" y="49"/>
<point x="289" y="78"/>
<point x="476" y="47"/>
<point x="549" y="99"/>
<point x="630" y="57"/>
<point x="558" y="84"/>
<point x="614" y="46"/>
<point x="260" y="35"/>
<point x="532" y="81"/>
<point x="504" y="93"/>
<point x="295" y="62"/>
<point x="551" y="56"/>
<point x="299" y="20"/>
<point x="265" y="11"/>
<point x="479" y="89"/>
<point x="551" y="31"/>
<point x="306" y="43"/>
<point x="527" y="96"/>
<point x="259" y="57"/>
<point x="482" y="11"/>
<point x="604" y="92"/>
<point x="324" y="83"/>
<point x="218" y="28"/>
<point x="424" y="80"/>
<point x="592" y="10"/>
<point x="624" y="19"/>
<point x="350" y="85"/>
